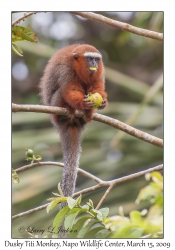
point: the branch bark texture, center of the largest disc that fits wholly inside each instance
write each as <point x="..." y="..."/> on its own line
<point x="96" y="117"/>
<point x="120" y="25"/>
<point x="22" y="18"/>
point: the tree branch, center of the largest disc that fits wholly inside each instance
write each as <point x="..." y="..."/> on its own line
<point x="106" y="20"/>
<point x="119" y="180"/>
<point x="104" y="196"/>
<point x="120" y="25"/>
<point x="29" y="211"/>
<point x="22" y="18"/>
<point x="96" y="117"/>
<point x="109" y="184"/>
<point x="59" y="164"/>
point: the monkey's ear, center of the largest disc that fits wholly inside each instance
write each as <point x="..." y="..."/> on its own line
<point x="75" y="55"/>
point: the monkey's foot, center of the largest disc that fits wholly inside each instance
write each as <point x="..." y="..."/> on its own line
<point x="62" y="118"/>
<point x="88" y="113"/>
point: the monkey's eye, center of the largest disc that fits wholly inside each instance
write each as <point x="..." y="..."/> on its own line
<point x="97" y="59"/>
<point x="89" y="58"/>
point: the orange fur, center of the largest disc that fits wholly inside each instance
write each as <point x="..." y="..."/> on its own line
<point x="66" y="80"/>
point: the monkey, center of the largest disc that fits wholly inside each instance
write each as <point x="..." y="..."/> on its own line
<point x="72" y="73"/>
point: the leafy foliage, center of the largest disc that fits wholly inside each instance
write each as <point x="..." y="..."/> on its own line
<point x="93" y="223"/>
<point x="20" y="33"/>
<point x="147" y="223"/>
<point x="17" y="50"/>
<point x="15" y="177"/>
<point x="90" y="222"/>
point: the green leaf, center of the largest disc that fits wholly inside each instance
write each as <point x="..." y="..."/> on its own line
<point x="136" y="233"/>
<point x="77" y="226"/>
<point x="22" y="33"/>
<point x="52" y="199"/>
<point x="56" y="194"/>
<point x="135" y="217"/>
<point x="85" y="228"/>
<point x="127" y="231"/>
<point x="59" y="189"/>
<point x="148" y="192"/>
<point x="91" y="202"/>
<point x="46" y="236"/>
<point x="78" y="200"/>
<point x="70" y="218"/>
<point x="48" y="207"/>
<point x="121" y="211"/>
<point x="157" y="185"/>
<point x="85" y="208"/>
<point x="147" y="176"/>
<point x="104" y="211"/>
<point x="16" y="38"/>
<point x="91" y="233"/>
<point x="16" y="50"/>
<point x="94" y="211"/>
<point x="55" y="236"/>
<point x="55" y="202"/>
<point x="38" y="158"/>
<point x="102" y="234"/>
<point x="156" y="176"/>
<point x="116" y="221"/>
<point x="15" y="177"/>
<point x="99" y="216"/>
<point x="59" y="218"/>
<point x="71" y="202"/>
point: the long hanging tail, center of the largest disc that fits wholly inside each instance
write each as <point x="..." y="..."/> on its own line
<point x="71" y="145"/>
<point x="70" y="134"/>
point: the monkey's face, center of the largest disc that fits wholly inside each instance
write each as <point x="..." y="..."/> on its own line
<point x="92" y="59"/>
<point x="87" y="64"/>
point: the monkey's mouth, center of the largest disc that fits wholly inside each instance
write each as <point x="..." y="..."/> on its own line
<point x="93" y="69"/>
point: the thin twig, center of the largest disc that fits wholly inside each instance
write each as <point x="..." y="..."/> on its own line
<point x="119" y="180"/>
<point x="104" y="196"/>
<point x="36" y="209"/>
<point x="136" y="175"/>
<point x="59" y="164"/>
<point x="111" y="184"/>
<point x="96" y="117"/>
<point x="22" y="18"/>
<point x="120" y="25"/>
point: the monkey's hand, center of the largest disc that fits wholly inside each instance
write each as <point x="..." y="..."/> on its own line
<point x="87" y="104"/>
<point x="103" y="105"/>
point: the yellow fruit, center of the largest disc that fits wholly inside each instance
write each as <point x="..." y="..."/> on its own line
<point x="96" y="98"/>
<point x="93" y="68"/>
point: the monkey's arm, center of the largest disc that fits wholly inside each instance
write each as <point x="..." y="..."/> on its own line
<point x="99" y="88"/>
<point x="74" y="97"/>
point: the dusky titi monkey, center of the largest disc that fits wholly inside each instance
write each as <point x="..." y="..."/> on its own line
<point x="72" y="73"/>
